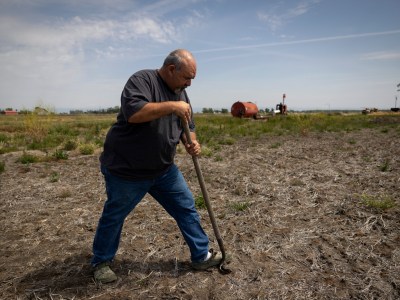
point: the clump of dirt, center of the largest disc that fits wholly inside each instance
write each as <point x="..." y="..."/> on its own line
<point x="289" y="209"/>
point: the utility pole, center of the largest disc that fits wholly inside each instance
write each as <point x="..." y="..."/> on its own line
<point x="395" y="102"/>
<point x="398" y="89"/>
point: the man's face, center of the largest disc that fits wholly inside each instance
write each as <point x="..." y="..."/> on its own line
<point x="182" y="78"/>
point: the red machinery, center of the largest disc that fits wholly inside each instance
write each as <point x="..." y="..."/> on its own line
<point x="282" y="107"/>
<point x="244" y="110"/>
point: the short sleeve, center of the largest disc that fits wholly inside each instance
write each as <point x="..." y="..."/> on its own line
<point x="135" y="95"/>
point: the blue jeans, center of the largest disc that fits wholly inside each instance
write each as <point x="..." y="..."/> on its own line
<point x="170" y="190"/>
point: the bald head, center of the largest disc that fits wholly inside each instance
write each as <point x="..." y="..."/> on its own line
<point x="178" y="69"/>
<point x="178" y="58"/>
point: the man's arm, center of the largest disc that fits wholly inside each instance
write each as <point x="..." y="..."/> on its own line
<point x="154" y="110"/>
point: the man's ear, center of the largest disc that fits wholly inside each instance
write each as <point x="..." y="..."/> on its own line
<point x="171" y="69"/>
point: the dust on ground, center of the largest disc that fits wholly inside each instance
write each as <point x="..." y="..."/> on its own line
<point x="289" y="209"/>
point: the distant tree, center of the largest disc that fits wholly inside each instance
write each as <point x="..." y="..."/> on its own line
<point x="113" y="110"/>
<point x="224" y="111"/>
<point x="208" y="111"/>
<point x="76" y="112"/>
<point x="25" y="112"/>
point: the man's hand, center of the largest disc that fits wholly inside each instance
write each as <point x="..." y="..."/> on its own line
<point x="182" y="110"/>
<point x="194" y="149"/>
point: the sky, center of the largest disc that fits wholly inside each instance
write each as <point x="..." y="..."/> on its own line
<point x="323" y="54"/>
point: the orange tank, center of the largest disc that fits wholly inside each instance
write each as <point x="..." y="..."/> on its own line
<point x="244" y="110"/>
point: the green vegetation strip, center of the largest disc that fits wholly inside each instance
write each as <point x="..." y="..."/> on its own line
<point x="87" y="132"/>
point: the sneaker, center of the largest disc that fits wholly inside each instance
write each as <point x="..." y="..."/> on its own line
<point x="104" y="274"/>
<point x="214" y="260"/>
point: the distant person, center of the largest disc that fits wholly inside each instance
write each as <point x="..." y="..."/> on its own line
<point x="138" y="158"/>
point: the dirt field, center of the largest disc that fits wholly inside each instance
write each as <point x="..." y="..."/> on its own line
<point x="289" y="209"/>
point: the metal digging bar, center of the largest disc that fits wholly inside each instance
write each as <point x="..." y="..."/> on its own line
<point x="200" y="177"/>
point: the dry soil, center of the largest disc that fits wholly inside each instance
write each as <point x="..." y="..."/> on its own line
<point x="290" y="210"/>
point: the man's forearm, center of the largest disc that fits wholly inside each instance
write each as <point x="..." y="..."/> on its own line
<point x="152" y="111"/>
<point x="192" y="136"/>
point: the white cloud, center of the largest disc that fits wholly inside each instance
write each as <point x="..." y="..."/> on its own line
<point x="274" y="21"/>
<point x="302" y="8"/>
<point x="60" y="48"/>
<point x="47" y="55"/>
<point x="277" y="20"/>
<point x="382" y="55"/>
<point x="77" y="31"/>
<point x="161" y="32"/>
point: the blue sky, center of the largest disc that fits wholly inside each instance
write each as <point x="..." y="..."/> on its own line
<point x="323" y="54"/>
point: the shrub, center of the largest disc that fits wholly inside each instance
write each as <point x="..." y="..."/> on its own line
<point x="218" y="158"/>
<point x="275" y="145"/>
<point x="352" y="141"/>
<point x="3" y="138"/>
<point x="240" y="206"/>
<point x="36" y="126"/>
<point x="384" y="167"/>
<point x="54" y="177"/>
<point x="27" y="158"/>
<point x="60" y="154"/>
<point x="385" y="130"/>
<point x="86" y="149"/>
<point x="70" y="145"/>
<point x="199" y="202"/>
<point x="378" y="202"/>
<point x="228" y="141"/>
<point x="206" y="151"/>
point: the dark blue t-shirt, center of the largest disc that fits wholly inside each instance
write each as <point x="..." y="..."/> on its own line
<point x="143" y="150"/>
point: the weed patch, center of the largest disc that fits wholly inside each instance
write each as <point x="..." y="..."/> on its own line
<point x="86" y="149"/>
<point x="199" y="202"/>
<point x="60" y="154"/>
<point x="378" y="202"/>
<point x="240" y="206"/>
<point x="70" y="145"/>
<point x="54" y="177"/>
<point x="384" y="167"/>
<point x="27" y="158"/>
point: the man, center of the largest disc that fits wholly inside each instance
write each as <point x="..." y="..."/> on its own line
<point x="138" y="158"/>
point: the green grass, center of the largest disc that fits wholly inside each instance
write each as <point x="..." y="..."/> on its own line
<point x="70" y="145"/>
<point x="27" y="158"/>
<point x="199" y="202"/>
<point x="54" y="177"/>
<point x="378" y="202"/>
<point x="46" y="133"/>
<point x="60" y="154"/>
<point x="275" y="145"/>
<point x="240" y="206"/>
<point x="2" y="166"/>
<point x="385" y="167"/>
<point x="216" y="130"/>
<point x="86" y="149"/>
